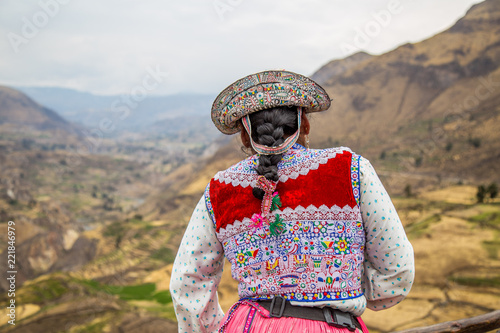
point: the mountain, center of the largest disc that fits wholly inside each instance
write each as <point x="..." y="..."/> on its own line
<point x="129" y="112"/>
<point x="18" y="109"/>
<point x="426" y="114"/>
<point x="431" y="108"/>
<point x="338" y="67"/>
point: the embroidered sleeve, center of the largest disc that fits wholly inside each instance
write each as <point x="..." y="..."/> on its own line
<point x="196" y="275"/>
<point x="389" y="264"/>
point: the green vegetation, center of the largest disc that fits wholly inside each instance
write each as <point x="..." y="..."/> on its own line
<point x="477" y="282"/>
<point x="148" y="227"/>
<point x="164" y="254"/>
<point x="60" y="288"/>
<point x="116" y="230"/>
<point x="45" y="291"/>
<point x="487" y="219"/>
<point x="481" y="193"/>
<point x="484" y="192"/>
<point x="419" y="228"/>
<point x="492" y="247"/>
<point x="144" y="291"/>
<point x="138" y="292"/>
<point x="407" y="191"/>
<point x="493" y="190"/>
<point x="163" y="297"/>
<point x="56" y="286"/>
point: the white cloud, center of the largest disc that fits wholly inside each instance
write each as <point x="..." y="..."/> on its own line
<point x="105" y="46"/>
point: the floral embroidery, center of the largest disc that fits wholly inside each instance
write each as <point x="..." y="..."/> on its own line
<point x="199" y="260"/>
<point x="304" y="254"/>
<point x="342" y="246"/>
<point x="339" y="248"/>
<point x="257" y="220"/>
<point x="241" y="259"/>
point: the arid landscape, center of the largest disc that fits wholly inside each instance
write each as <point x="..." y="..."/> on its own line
<point x="99" y="218"/>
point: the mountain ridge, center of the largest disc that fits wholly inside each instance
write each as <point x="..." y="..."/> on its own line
<point x="413" y="112"/>
<point x="418" y="106"/>
<point x="18" y="109"/>
<point x="89" y="109"/>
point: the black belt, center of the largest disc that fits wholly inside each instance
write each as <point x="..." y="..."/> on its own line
<point x="279" y="307"/>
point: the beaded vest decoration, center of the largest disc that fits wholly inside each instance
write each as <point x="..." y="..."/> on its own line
<point x="318" y="256"/>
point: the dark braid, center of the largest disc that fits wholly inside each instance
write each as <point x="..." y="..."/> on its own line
<point x="268" y="128"/>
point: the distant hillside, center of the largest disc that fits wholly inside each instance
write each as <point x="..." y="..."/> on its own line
<point x="338" y="67"/>
<point x="194" y="128"/>
<point x="127" y="113"/>
<point x="407" y="111"/>
<point x="425" y="114"/>
<point x="18" y="109"/>
<point x="430" y="108"/>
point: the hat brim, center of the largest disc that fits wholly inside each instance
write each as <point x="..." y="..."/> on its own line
<point x="266" y="90"/>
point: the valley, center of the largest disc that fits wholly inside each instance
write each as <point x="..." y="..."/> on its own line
<point x="99" y="216"/>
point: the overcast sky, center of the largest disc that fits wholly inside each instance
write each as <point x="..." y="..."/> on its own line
<point x="112" y="46"/>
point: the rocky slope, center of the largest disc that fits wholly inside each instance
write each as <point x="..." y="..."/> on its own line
<point x="430" y="108"/>
<point x="73" y="200"/>
<point x="55" y="185"/>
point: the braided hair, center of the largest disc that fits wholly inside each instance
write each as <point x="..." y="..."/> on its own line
<point x="269" y="127"/>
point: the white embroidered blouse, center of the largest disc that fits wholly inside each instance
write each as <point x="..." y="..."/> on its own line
<point x="198" y="266"/>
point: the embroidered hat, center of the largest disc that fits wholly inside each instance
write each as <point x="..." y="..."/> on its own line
<point x="266" y="90"/>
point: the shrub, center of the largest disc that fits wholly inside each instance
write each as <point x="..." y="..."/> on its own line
<point x="492" y="190"/>
<point x="484" y="192"/>
<point x="481" y="193"/>
<point x="407" y="191"/>
<point x="475" y="142"/>
<point x="418" y="161"/>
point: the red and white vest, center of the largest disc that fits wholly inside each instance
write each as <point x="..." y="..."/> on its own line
<point x="319" y="256"/>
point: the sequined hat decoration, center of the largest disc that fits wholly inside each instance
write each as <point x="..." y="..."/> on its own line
<point x="266" y="90"/>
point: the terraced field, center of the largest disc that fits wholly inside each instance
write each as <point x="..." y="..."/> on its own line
<point x="456" y="242"/>
<point x="457" y="246"/>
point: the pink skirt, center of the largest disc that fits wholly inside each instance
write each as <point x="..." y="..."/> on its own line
<point x="249" y="317"/>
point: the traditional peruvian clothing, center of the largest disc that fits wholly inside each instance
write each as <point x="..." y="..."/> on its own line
<point x="339" y="242"/>
<point x="312" y="241"/>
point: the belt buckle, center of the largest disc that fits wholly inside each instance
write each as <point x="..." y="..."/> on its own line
<point x="339" y="319"/>
<point x="282" y="307"/>
<point x="344" y="319"/>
